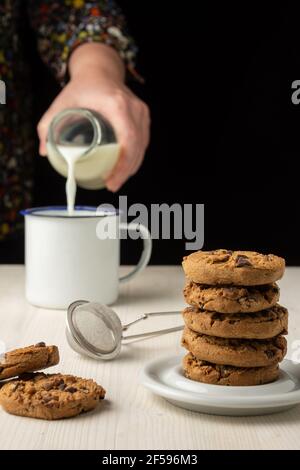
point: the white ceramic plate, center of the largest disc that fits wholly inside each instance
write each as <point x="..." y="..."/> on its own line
<point x="165" y="378"/>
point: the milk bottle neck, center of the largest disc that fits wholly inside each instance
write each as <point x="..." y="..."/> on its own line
<point x="80" y="129"/>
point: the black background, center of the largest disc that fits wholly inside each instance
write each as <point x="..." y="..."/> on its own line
<point x="224" y="130"/>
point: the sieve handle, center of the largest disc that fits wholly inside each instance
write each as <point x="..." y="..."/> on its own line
<point x="149" y="334"/>
<point x="146" y="315"/>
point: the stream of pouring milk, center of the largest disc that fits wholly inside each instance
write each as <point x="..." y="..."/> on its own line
<point x="71" y="155"/>
<point x="101" y="160"/>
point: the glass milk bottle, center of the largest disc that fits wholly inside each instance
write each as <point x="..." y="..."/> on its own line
<point x="82" y="142"/>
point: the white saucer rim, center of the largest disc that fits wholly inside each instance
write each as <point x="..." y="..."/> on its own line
<point x="169" y="392"/>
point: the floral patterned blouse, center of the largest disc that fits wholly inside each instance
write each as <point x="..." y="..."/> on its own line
<point x="59" y="26"/>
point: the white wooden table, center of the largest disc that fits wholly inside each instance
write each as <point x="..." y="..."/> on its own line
<point x="131" y="417"/>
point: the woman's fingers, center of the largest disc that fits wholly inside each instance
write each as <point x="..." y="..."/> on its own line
<point x="145" y="133"/>
<point x="125" y="164"/>
<point x="129" y="139"/>
<point x="132" y="128"/>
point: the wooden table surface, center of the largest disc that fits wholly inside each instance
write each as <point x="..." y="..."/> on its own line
<point x="132" y="417"/>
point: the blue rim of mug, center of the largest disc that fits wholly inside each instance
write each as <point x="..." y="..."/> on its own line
<point x="40" y="212"/>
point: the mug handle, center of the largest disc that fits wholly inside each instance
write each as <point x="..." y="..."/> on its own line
<point x="145" y="256"/>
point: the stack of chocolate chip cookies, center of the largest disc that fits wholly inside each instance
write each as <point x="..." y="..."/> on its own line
<point x="234" y="326"/>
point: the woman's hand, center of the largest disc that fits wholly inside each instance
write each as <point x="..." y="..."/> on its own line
<point x="97" y="82"/>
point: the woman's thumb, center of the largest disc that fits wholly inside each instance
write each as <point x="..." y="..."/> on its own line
<point x="42" y="130"/>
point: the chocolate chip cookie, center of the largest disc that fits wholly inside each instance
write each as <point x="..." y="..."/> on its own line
<point x="234" y="352"/>
<point x="29" y="359"/>
<point x="231" y="299"/>
<point x="259" y="325"/>
<point x="241" y="268"/>
<point x="203" y="371"/>
<point x="50" y="396"/>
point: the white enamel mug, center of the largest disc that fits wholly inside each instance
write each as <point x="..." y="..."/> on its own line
<point x="66" y="260"/>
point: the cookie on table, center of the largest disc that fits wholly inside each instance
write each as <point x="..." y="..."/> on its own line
<point x="206" y="372"/>
<point x="260" y="325"/>
<point x="29" y="359"/>
<point x="231" y="299"/>
<point x="235" y="352"/>
<point x="50" y="396"/>
<point x="241" y="268"/>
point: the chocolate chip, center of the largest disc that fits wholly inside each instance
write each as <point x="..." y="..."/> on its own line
<point x="62" y="386"/>
<point x="241" y="261"/>
<point x="50" y="398"/>
<point x="1" y="369"/>
<point x="40" y="345"/>
<point x="269" y="353"/>
<point x="47" y="399"/>
<point x="71" y="389"/>
<point x="223" y="372"/>
<point x="57" y="382"/>
<point x="47" y="386"/>
<point x="221" y="259"/>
